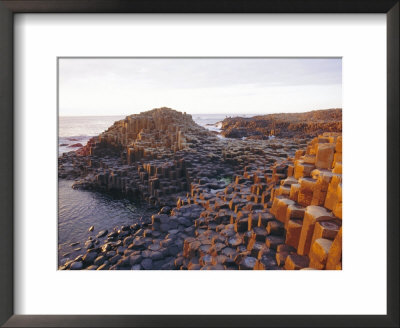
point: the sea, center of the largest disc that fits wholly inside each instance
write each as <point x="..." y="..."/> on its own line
<point x="78" y="209"/>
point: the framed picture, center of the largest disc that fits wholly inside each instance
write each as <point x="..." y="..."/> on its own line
<point x="149" y="149"/>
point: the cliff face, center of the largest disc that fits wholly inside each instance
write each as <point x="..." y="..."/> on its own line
<point x="291" y="125"/>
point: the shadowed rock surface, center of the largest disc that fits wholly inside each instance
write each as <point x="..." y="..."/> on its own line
<point x="223" y="203"/>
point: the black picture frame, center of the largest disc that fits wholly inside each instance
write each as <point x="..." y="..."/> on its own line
<point x="10" y="7"/>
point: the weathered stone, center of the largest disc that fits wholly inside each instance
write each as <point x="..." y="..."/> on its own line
<point x="88" y="258"/>
<point x="312" y="215"/>
<point x="274" y="241"/>
<point x="147" y="264"/>
<point x="76" y="266"/>
<point x="247" y="263"/>
<point x="102" y="233"/>
<point x="319" y="253"/>
<point x="302" y="169"/>
<point x="335" y="253"/>
<point x="235" y="241"/>
<point x="293" y="232"/>
<point x="296" y="262"/>
<point x="135" y="259"/>
<point x="279" y="207"/>
<point x="281" y="257"/>
<point x="326" y="229"/>
<point x="294" y="212"/>
<point x="275" y="228"/>
<point x="332" y="196"/>
<point x="115" y="259"/>
<point x="324" y="157"/>
<point x="260" y="234"/>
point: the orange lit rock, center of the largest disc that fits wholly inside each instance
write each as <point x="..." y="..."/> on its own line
<point x="302" y="169"/>
<point x="294" y="191"/>
<point x="324" y="157"/>
<point x="293" y="232"/>
<point x="306" y="191"/>
<point x="294" y="212"/>
<point x="312" y="215"/>
<point x="335" y="253"/>
<point x="279" y="208"/>
<point x="326" y="229"/>
<point x="319" y="253"/>
<point x="332" y="195"/>
<point x="337" y="168"/>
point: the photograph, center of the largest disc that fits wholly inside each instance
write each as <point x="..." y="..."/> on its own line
<point x="199" y="163"/>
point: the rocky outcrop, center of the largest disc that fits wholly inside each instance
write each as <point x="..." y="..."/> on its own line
<point x="309" y="124"/>
<point x="228" y="204"/>
<point x="155" y="156"/>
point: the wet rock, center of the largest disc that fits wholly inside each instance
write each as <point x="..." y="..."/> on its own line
<point x="76" y="266"/>
<point x="99" y="260"/>
<point x="147" y="264"/>
<point x="136" y="267"/>
<point x="111" y="254"/>
<point x="89" y="244"/>
<point x="88" y="258"/>
<point x="115" y="259"/>
<point x="135" y="259"/>
<point x="156" y="256"/>
<point x="102" y="233"/>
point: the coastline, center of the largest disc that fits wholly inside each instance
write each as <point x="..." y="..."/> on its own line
<point x="205" y="222"/>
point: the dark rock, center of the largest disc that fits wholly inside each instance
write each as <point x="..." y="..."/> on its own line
<point x="147" y="264"/>
<point x="88" y="258"/>
<point x="102" y="233"/>
<point x="76" y="266"/>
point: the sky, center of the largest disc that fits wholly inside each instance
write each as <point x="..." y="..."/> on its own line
<point x="124" y="86"/>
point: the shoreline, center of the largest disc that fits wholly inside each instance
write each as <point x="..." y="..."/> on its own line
<point x="204" y="222"/>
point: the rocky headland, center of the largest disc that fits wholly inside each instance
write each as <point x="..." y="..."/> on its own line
<point x="284" y="125"/>
<point x="222" y="203"/>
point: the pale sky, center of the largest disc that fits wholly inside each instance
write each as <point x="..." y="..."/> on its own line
<point x="204" y="85"/>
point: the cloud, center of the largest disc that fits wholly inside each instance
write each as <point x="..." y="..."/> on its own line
<point x="115" y="86"/>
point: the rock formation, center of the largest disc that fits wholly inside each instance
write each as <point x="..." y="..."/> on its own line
<point x="224" y="204"/>
<point x="309" y="124"/>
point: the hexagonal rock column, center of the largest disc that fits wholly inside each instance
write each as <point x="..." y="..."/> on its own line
<point x="306" y="191"/>
<point x="324" y="157"/>
<point x="334" y="260"/>
<point x="293" y="232"/>
<point x="332" y="196"/>
<point x="326" y="229"/>
<point x="302" y="169"/>
<point x="312" y="215"/>
<point x="294" y="212"/>
<point x="319" y="253"/>
<point x="279" y="208"/>
<point x="321" y="187"/>
<point x="337" y="211"/>
<point x="294" y="191"/>
<point x="296" y="262"/>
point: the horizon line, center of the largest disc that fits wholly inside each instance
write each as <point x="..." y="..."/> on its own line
<point x="255" y="113"/>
